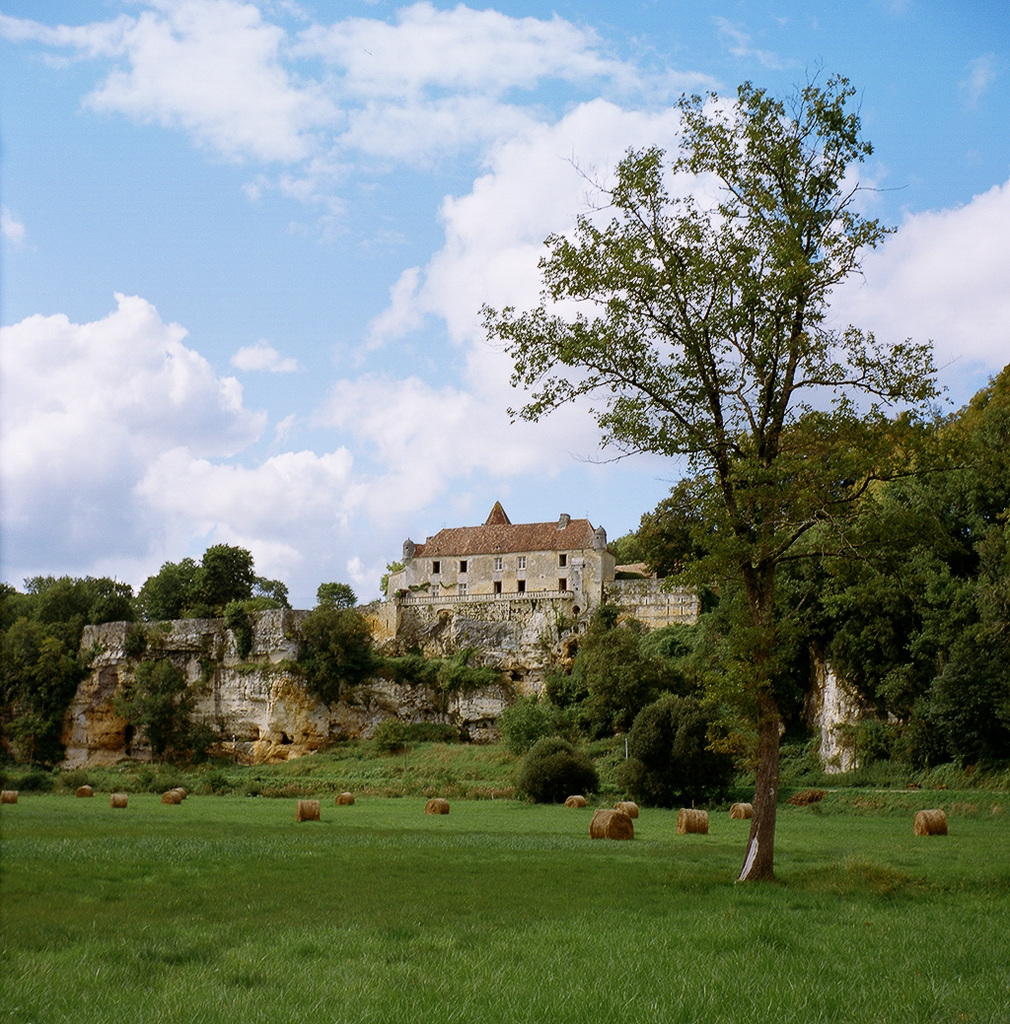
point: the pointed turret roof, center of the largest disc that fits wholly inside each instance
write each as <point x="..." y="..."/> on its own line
<point x="497" y="516"/>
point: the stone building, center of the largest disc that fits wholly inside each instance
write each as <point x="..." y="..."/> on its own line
<point x="566" y="558"/>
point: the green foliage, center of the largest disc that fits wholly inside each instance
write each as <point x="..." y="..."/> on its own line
<point x="236" y="618"/>
<point x="526" y="720"/>
<point x="627" y="550"/>
<point x="136" y="641"/>
<point x="188" y="590"/>
<point x="670" y="763"/>
<point x="391" y="736"/>
<point x="336" y="651"/>
<point x="167" y="594"/>
<point x="922" y="630"/>
<point x="554" y="769"/>
<point x="442" y="674"/>
<point x="273" y="593"/>
<point x="335" y="595"/>
<point x="159" y="701"/>
<point x="612" y="677"/>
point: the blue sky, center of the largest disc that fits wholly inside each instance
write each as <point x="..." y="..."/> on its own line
<point x="244" y="246"/>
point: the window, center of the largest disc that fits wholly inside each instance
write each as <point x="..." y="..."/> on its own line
<point x="562" y="584"/>
<point x="562" y="559"/>
<point x="460" y="588"/>
<point x="462" y="565"/>
<point x="521" y="586"/>
<point x="436" y="568"/>
<point x="522" y="562"/>
<point x="497" y="564"/>
<point x="497" y="586"/>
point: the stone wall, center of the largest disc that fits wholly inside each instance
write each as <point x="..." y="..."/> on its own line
<point x="655" y="606"/>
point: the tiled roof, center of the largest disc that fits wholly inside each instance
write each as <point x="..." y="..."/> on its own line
<point x="497" y="537"/>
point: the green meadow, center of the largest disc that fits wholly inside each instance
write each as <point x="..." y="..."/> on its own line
<point x="224" y="909"/>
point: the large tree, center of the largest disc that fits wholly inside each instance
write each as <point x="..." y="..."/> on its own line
<point x="700" y="324"/>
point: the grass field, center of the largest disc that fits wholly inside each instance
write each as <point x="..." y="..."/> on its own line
<point x="224" y="909"/>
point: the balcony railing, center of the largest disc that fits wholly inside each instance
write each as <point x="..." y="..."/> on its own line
<point x="427" y="597"/>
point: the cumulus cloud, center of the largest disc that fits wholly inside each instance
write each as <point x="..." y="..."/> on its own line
<point x="263" y="356"/>
<point x="944" y="275"/>
<point x="426" y="84"/>
<point x="86" y="407"/>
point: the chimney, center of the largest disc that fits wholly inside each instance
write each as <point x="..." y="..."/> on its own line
<point x="563" y="520"/>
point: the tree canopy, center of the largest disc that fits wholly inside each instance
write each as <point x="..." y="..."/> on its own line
<point x="700" y="329"/>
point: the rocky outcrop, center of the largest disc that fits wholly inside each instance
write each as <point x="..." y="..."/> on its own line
<point x="832" y="708"/>
<point x="257" y="705"/>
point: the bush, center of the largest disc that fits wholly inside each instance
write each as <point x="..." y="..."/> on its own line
<point x="36" y="782"/>
<point x="391" y="736"/>
<point x="554" y="769"/>
<point x="669" y="762"/>
<point x="524" y="722"/>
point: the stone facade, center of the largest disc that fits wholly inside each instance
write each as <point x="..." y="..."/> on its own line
<point x="501" y="559"/>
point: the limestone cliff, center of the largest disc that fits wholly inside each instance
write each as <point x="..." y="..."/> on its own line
<point x="257" y="705"/>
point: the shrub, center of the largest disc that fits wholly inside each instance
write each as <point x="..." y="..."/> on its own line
<point x="135" y="643"/>
<point x="554" y="769"/>
<point x="669" y="760"/>
<point x="36" y="782"/>
<point x="391" y="736"/>
<point x="524" y="722"/>
<point x="236" y="618"/>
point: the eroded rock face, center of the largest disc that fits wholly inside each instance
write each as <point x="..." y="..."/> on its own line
<point x="258" y="705"/>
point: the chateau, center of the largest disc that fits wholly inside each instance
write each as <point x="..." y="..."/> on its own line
<point x="499" y="558"/>
<point x="510" y="569"/>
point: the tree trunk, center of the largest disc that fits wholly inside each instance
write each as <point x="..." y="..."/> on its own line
<point x="759" y="863"/>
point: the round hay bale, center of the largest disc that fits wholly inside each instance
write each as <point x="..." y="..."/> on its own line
<point x="739" y="812"/>
<point x="8" y="796"/>
<point x="182" y="793"/>
<point x="690" y="821"/>
<point x="930" y="823"/>
<point x="344" y="799"/>
<point x="436" y="805"/>
<point x="629" y="807"/>
<point x="171" y="796"/>
<point x="85" y="791"/>
<point x="611" y="825"/>
<point x="575" y="801"/>
<point x="117" y="800"/>
<point x="307" y="810"/>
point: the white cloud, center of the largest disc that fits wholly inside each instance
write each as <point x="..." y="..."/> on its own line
<point x="210" y="67"/>
<point x="458" y="50"/>
<point x="11" y="228"/>
<point x="427" y="84"/>
<point x="85" y="409"/>
<point x="944" y="275"/>
<point x="740" y="44"/>
<point x="981" y="74"/>
<point x="263" y="356"/>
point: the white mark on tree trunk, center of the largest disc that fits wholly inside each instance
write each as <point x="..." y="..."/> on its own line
<point x="748" y="863"/>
